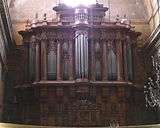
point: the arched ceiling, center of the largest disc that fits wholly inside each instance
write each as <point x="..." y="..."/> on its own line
<point x="21" y="10"/>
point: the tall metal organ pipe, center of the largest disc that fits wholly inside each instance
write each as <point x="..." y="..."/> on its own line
<point x="81" y="54"/>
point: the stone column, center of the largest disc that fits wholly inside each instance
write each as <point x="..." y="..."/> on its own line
<point x="92" y="60"/>
<point x="104" y="58"/>
<point x="43" y="60"/>
<point x="37" y="61"/>
<point x="71" y="60"/>
<point x="59" y="61"/>
<point x="119" y="60"/>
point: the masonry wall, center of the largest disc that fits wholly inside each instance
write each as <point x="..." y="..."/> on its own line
<point x="1" y="92"/>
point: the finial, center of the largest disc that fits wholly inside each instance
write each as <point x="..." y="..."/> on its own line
<point x="45" y="16"/>
<point x="36" y="16"/>
<point x="124" y="20"/>
<point x="35" y="20"/>
<point x="117" y="18"/>
<point x="27" y="24"/>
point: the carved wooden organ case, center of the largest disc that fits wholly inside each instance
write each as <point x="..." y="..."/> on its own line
<point x="78" y="71"/>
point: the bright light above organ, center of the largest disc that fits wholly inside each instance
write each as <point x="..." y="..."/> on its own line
<point x="75" y="3"/>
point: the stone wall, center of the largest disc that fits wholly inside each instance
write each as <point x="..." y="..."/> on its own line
<point x="1" y="92"/>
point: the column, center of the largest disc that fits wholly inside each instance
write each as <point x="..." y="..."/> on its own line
<point x="43" y="60"/>
<point x="37" y="62"/>
<point x="125" y="61"/>
<point x="70" y="60"/>
<point x="104" y="58"/>
<point x="59" y="61"/>
<point x="26" y="68"/>
<point x="119" y="60"/>
<point x="92" y="60"/>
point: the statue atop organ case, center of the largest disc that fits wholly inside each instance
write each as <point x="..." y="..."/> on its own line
<point x="80" y="69"/>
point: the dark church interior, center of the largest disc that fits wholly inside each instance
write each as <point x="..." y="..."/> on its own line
<point x="79" y="63"/>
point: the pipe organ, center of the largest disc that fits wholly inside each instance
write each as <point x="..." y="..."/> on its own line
<point x="81" y="54"/>
<point x="80" y="69"/>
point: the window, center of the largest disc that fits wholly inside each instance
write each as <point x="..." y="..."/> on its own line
<point x="74" y="3"/>
<point x="3" y="41"/>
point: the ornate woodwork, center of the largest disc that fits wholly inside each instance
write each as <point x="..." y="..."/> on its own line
<point x="79" y="73"/>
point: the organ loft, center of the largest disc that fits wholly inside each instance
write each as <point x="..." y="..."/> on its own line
<point x="77" y="71"/>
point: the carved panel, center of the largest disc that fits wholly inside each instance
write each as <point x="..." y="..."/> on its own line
<point x="52" y="46"/>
